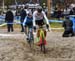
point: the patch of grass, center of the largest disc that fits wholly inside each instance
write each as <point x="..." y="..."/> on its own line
<point x="56" y="25"/>
<point x="53" y="25"/>
<point x="15" y="26"/>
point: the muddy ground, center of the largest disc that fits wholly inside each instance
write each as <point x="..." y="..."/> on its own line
<point x="13" y="47"/>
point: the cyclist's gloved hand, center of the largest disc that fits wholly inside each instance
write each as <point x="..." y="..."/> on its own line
<point x="34" y="28"/>
<point x="47" y="25"/>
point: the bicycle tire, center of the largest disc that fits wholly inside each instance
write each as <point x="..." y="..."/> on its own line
<point x="42" y="45"/>
<point x="31" y="39"/>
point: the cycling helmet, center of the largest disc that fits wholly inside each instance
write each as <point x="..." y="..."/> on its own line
<point x="39" y="9"/>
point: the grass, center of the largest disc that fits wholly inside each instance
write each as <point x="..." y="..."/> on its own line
<point x="15" y="26"/>
<point x="56" y="25"/>
<point x="53" y="25"/>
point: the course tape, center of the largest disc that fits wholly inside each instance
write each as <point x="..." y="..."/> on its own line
<point x="3" y="24"/>
<point x="49" y="21"/>
<point x="58" y="21"/>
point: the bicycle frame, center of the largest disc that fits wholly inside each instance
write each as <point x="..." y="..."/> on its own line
<point x="30" y="36"/>
<point x="42" y="41"/>
<point x="42" y="45"/>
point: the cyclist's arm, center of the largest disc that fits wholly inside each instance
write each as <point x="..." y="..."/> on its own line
<point x="34" y="19"/>
<point x="47" y="22"/>
<point x="24" y="23"/>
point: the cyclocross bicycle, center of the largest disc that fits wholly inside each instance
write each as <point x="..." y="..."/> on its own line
<point x="42" y="40"/>
<point x="30" y="37"/>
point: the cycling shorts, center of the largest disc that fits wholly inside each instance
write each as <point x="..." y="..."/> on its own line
<point x="40" y="22"/>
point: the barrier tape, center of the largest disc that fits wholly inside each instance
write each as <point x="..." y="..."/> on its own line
<point x="17" y="21"/>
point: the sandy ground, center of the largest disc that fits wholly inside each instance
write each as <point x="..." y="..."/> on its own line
<point x="13" y="47"/>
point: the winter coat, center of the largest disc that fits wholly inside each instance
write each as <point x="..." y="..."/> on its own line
<point x="9" y="17"/>
<point x="23" y="15"/>
<point x="67" y="24"/>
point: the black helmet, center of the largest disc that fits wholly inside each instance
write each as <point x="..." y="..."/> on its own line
<point x="39" y="9"/>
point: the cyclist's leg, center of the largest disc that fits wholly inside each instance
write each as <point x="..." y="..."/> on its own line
<point x="29" y="29"/>
<point x="38" y="22"/>
<point x="30" y="36"/>
<point x="38" y="32"/>
<point x="43" y="35"/>
<point x="26" y="31"/>
<point x="29" y="32"/>
<point x="42" y="43"/>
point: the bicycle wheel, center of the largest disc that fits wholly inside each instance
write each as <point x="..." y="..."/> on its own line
<point x="42" y="41"/>
<point x="43" y="46"/>
<point x="31" y="38"/>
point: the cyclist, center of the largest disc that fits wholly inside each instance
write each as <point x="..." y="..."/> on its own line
<point x="28" y="23"/>
<point x="27" y="9"/>
<point x="38" y="19"/>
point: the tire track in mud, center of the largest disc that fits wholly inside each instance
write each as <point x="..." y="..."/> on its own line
<point x="16" y="49"/>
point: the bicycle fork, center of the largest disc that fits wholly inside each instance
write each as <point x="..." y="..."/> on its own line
<point x="30" y="36"/>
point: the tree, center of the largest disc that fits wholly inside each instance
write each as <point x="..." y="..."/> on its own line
<point x="8" y="2"/>
<point x="43" y="1"/>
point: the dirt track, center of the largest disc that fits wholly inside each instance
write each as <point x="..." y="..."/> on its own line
<point x="15" y="48"/>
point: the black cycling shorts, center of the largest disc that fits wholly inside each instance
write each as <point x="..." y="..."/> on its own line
<point x="40" y="22"/>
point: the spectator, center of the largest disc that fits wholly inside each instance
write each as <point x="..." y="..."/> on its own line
<point x="59" y="14"/>
<point x="23" y="15"/>
<point x="27" y="9"/>
<point x="9" y="20"/>
<point x="72" y="12"/>
<point x="67" y="24"/>
<point x="17" y="13"/>
<point x="55" y="13"/>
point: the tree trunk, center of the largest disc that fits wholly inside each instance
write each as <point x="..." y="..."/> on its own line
<point x="49" y="7"/>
